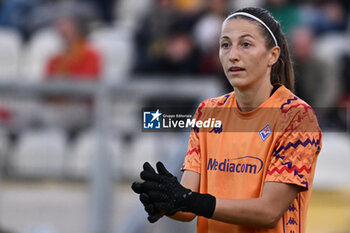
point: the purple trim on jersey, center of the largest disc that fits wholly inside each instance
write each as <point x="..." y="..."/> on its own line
<point x="216" y="129"/>
<point x="276" y="153"/>
<point x="289" y="101"/>
<point x="222" y="103"/>
<point x="227" y="96"/>
<point x="284" y="229"/>
<point x="292" y="221"/>
<point x="292" y="208"/>
<point x="296" y="173"/>
<point x="305" y="183"/>
<point x="299" y="215"/>
<point x="289" y="164"/>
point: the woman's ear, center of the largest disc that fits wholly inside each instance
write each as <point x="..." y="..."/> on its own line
<point x="273" y="56"/>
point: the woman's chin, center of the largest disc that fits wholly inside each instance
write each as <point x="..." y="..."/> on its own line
<point x="238" y="84"/>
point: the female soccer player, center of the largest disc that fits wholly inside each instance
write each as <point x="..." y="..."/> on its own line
<point x="255" y="173"/>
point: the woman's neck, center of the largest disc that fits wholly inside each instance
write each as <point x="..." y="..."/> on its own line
<point x="251" y="98"/>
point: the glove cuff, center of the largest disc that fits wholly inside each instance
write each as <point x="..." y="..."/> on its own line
<point x="201" y="204"/>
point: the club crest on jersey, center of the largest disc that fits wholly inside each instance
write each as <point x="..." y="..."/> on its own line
<point x="265" y="132"/>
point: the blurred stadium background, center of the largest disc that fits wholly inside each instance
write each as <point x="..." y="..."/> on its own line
<point x="75" y="74"/>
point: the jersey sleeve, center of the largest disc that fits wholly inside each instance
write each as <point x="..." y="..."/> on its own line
<point x="192" y="160"/>
<point x="295" y="153"/>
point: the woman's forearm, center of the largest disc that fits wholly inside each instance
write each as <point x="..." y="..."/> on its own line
<point x="251" y="212"/>
<point x="264" y="211"/>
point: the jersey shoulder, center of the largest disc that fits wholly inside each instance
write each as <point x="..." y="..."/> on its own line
<point x="220" y="101"/>
<point x="288" y="102"/>
<point x="295" y="113"/>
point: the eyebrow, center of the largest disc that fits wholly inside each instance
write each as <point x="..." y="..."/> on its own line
<point x="242" y="36"/>
<point x="247" y="35"/>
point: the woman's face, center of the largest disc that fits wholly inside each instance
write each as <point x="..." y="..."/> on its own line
<point x="243" y="55"/>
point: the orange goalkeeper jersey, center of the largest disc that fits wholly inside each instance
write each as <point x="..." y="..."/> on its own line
<point x="277" y="142"/>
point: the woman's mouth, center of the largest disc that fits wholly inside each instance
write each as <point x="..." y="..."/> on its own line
<point x="236" y="69"/>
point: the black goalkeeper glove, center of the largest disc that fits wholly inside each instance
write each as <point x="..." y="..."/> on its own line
<point x="142" y="188"/>
<point x="169" y="196"/>
<point x="153" y="214"/>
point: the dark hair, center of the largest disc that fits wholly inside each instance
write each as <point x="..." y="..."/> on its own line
<point x="282" y="71"/>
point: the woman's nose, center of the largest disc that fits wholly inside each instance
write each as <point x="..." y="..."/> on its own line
<point x="233" y="56"/>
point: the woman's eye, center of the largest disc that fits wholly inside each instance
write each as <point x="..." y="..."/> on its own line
<point x="224" y="45"/>
<point x="246" y="44"/>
